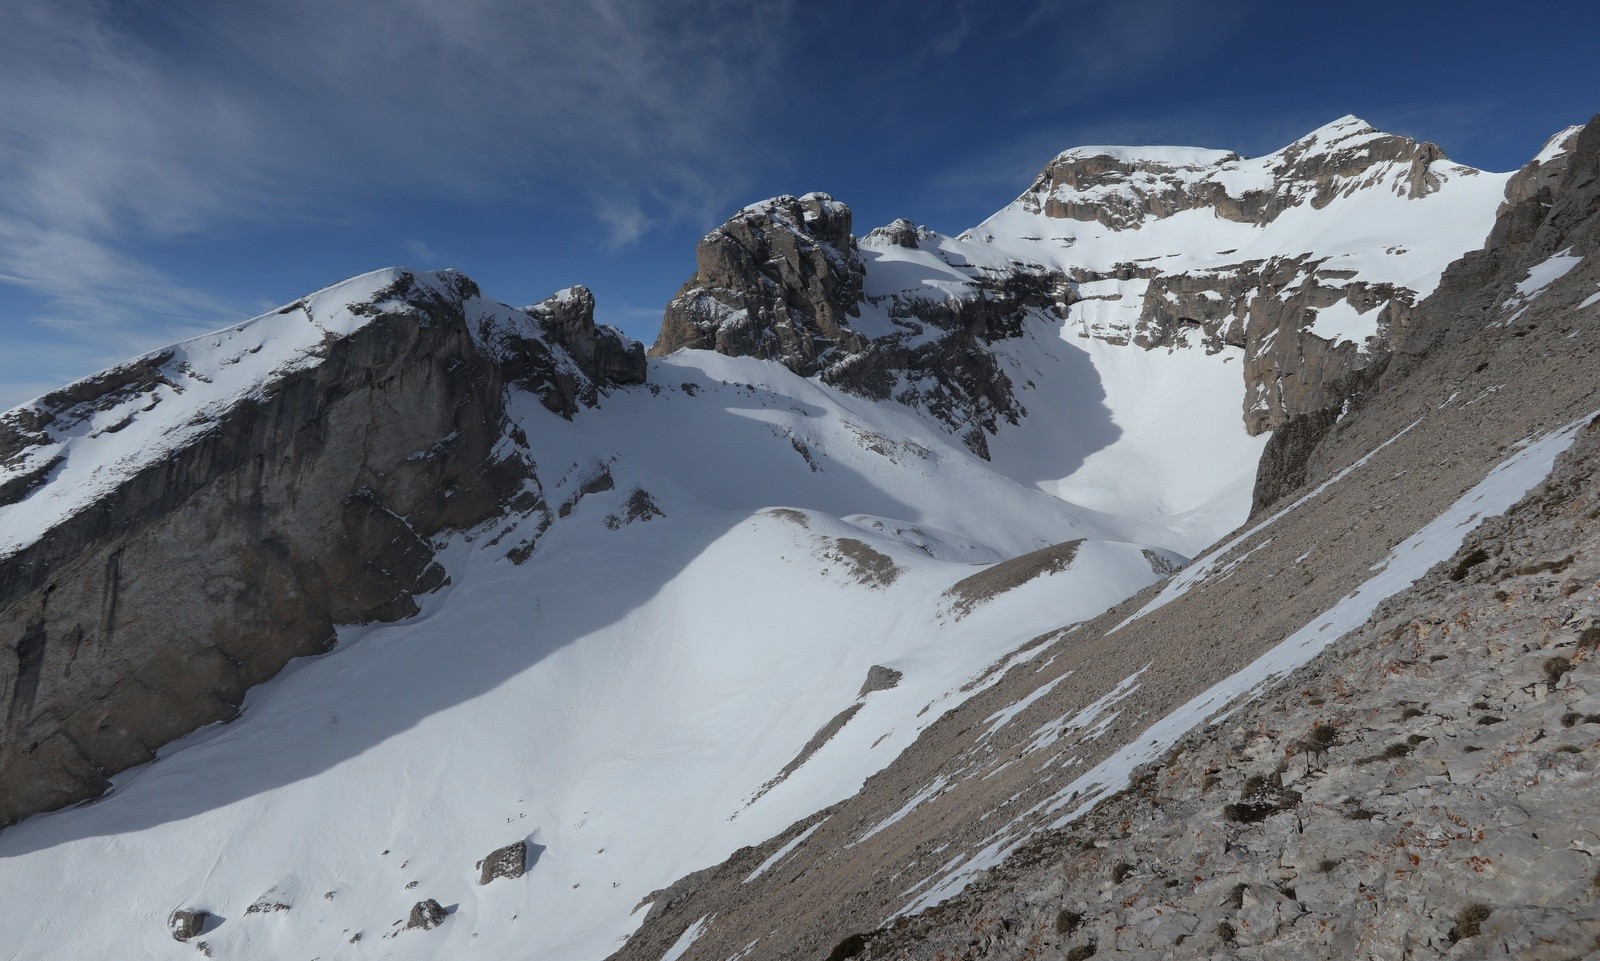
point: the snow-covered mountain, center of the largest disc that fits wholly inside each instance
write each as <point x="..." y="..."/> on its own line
<point x="526" y="588"/>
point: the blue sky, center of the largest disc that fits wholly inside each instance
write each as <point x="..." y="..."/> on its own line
<point x="169" y="167"/>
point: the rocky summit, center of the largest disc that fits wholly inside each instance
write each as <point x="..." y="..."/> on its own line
<point x="1196" y="558"/>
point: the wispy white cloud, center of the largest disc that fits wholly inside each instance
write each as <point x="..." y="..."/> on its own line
<point x="625" y="222"/>
<point x="424" y="255"/>
<point x="127" y="123"/>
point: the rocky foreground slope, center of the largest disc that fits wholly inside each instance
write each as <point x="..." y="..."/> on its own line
<point x="1423" y="787"/>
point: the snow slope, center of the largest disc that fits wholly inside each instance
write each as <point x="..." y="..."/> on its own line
<point x="1370" y="226"/>
<point x="620" y="701"/>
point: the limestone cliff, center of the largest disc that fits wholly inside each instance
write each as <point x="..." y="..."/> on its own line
<point x="783" y="280"/>
<point x="242" y="494"/>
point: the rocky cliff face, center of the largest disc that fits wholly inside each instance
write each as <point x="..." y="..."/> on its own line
<point x="1418" y="789"/>
<point x="283" y="477"/>
<point x="780" y="281"/>
<point x="1312" y="330"/>
<point x="1271" y="310"/>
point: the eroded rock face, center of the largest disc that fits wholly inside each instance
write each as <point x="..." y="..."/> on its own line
<point x="782" y="280"/>
<point x="937" y="359"/>
<point x="1550" y="207"/>
<point x="1293" y="365"/>
<point x="900" y="233"/>
<point x="312" y="501"/>
<point x="778" y="281"/>
<point x="603" y="354"/>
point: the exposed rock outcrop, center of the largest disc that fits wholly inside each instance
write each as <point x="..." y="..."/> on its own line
<point x="603" y="354"/>
<point x="1549" y="209"/>
<point x="307" y="498"/>
<point x="1296" y="363"/>
<point x="880" y="678"/>
<point x="510" y="862"/>
<point x="425" y="915"/>
<point x="1120" y="189"/>
<point x="783" y="280"/>
<point x="900" y="233"/>
<point x="780" y="281"/>
<point x="187" y="923"/>
<point x="938" y="357"/>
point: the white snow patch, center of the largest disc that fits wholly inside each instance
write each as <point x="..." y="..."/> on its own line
<point x="783" y="852"/>
<point x="1002" y="717"/>
<point x="928" y="793"/>
<point x="686" y="940"/>
<point x="1547" y="272"/>
<point x="1342" y="323"/>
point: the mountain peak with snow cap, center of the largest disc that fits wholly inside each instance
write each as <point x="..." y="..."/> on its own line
<point x="1122" y="187"/>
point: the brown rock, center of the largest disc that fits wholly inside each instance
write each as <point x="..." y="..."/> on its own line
<point x="780" y="281"/>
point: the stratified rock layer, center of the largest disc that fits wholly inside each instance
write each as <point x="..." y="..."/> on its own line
<point x="782" y="280"/>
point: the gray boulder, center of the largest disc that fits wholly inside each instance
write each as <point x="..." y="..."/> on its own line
<point x="427" y="915"/>
<point x="510" y="861"/>
<point x="186" y="923"/>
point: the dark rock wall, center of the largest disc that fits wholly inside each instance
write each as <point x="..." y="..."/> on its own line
<point x="1267" y="308"/>
<point x="151" y="613"/>
<point x="781" y="281"/>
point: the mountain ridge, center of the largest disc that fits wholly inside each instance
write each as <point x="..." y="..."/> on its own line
<point x="792" y="511"/>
